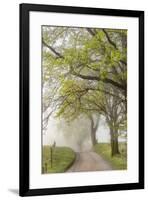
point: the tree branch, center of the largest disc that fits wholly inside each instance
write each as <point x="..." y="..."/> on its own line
<point x="109" y="39"/>
<point x="57" y="54"/>
<point x="123" y="62"/>
<point x="90" y="31"/>
<point x="97" y="78"/>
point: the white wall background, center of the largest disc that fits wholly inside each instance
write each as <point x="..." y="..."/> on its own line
<point x="9" y="87"/>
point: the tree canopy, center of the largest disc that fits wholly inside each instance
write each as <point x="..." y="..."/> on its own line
<point x="85" y="72"/>
<point x="80" y="61"/>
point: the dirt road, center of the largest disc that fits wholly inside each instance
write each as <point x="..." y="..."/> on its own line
<point x="89" y="161"/>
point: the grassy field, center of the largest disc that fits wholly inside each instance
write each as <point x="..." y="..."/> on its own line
<point x="62" y="159"/>
<point x="118" y="162"/>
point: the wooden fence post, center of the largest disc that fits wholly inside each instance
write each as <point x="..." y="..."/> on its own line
<point x="51" y="156"/>
<point x="45" y="167"/>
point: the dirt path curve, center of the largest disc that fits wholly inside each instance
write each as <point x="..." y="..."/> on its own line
<point x="89" y="161"/>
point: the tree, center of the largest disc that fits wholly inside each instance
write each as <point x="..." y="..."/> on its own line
<point x="94" y="127"/>
<point x="86" y="71"/>
<point x="115" y="113"/>
<point x="88" y="54"/>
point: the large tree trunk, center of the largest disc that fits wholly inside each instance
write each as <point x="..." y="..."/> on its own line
<point x="93" y="136"/>
<point x="114" y="143"/>
<point x="94" y="127"/>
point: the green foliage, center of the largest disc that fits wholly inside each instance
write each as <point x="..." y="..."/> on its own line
<point x="118" y="162"/>
<point x="81" y="54"/>
<point x="63" y="157"/>
<point x="89" y="53"/>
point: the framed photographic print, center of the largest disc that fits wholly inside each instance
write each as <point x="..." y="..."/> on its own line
<point x="81" y="99"/>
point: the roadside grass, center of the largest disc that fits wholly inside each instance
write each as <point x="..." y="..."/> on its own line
<point x="118" y="162"/>
<point x="62" y="159"/>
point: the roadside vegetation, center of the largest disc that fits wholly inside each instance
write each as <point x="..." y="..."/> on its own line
<point x="60" y="160"/>
<point x="118" y="162"/>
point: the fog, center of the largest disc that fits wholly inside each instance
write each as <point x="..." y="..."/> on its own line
<point x="75" y="134"/>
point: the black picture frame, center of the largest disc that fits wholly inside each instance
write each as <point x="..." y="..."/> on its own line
<point x="24" y="189"/>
